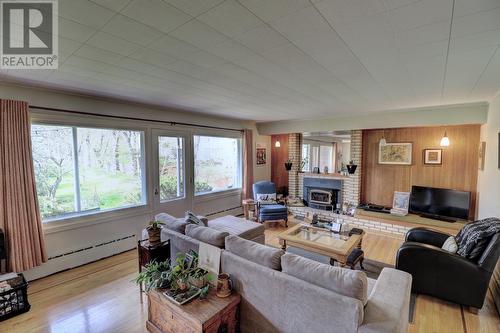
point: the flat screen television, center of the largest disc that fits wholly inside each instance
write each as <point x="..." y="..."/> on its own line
<point x="440" y="203"/>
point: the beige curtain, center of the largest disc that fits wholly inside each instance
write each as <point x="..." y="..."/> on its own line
<point x="19" y="215"/>
<point x="247" y="163"/>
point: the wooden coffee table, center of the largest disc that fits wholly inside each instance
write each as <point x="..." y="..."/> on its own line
<point x="321" y="241"/>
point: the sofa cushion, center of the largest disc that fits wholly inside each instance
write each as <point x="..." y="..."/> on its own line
<point x="172" y="223"/>
<point x="343" y="281"/>
<point x="237" y="226"/>
<point x="206" y="235"/>
<point x="255" y="252"/>
<point x="273" y="209"/>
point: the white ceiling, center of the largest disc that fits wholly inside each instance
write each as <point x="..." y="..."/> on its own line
<point x="278" y="59"/>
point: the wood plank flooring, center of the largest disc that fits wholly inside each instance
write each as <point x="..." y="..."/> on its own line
<point x="100" y="298"/>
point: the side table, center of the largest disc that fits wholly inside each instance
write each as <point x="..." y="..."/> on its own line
<point x="210" y="315"/>
<point x="249" y="206"/>
<point x="148" y="252"/>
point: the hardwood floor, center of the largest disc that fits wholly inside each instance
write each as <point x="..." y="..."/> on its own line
<point x="100" y="298"/>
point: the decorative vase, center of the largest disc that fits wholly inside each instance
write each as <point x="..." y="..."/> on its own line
<point x="154" y="235"/>
<point x="351" y="168"/>
<point x="288" y="166"/>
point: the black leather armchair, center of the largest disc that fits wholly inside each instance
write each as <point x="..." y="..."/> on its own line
<point x="443" y="274"/>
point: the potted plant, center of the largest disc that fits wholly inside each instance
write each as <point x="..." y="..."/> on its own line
<point x="351" y="167"/>
<point x="154" y="231"/>
<point x="155" y="275"/>
<point x="198" y="277"/>
<point x="288" y="165"/>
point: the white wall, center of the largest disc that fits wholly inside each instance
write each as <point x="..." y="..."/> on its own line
<point x="94" y="230"/>
<point x="489" y="178"/>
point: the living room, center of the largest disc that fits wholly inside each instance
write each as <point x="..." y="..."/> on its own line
<point x="326" y="149"/>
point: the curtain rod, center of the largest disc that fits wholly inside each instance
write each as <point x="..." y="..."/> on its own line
<point x="134" y="118"/>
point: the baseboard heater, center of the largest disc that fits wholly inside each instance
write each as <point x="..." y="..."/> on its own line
<point x="92" y="247"/>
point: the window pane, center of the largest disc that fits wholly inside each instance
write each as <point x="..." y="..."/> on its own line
<point x="305" y="157"/>
<point x="171" y="159"/>
<point x="314" y="157"/>
<point x="109" y="168"/>
<point x="217" y="164"/>
<point x="54" y="172"/>
<point x="326" y="158"/>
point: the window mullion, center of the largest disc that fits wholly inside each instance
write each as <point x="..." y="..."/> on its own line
<point x="78" y="202"/>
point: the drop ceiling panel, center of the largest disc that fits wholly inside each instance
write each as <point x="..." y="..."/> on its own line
<point x="278" y="59"/>
<point x="157" y="14"/>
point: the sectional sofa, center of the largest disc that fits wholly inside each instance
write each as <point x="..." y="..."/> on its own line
<point x="284" y="292"/>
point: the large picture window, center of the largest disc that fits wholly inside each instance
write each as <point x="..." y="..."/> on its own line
<point x="217" y="164"/>
<point x="86" y="170"/>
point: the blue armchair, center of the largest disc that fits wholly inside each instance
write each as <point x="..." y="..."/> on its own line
<point x="268" y="210"/>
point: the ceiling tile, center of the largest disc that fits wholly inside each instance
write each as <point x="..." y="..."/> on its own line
<point x="98" y="54"/>
<point x="261" y="38"/>
<point x="73" y="30"/>
<point x="204" y="59"/>
<point x="271" y="10"/>
<point x="152" y="57"/>
<point x="85" y="12"/>
<point x="68" y="45"/>
<point x="475" y="23"/>
<point x="156" y="13"/>
<point x="230" y="18"/>
<point x="488" y="84"/>
<point x="420" y="13"/>
<point x="115" y="5"/>
<point x="465" y="7"/>
<point x="199" y="34"/>
<point x="112" y="43"/>
<point x="194" y="7"/>
<point x="475" y="41"/>
<point x="173" y="46"/>
<point x="230" y="50"/>
<point x="131" y="30"/>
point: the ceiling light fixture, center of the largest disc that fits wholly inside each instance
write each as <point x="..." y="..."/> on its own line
<point x="382" y="141"/>
<point x="445" y="141"/>
<point x="277" y="144"/>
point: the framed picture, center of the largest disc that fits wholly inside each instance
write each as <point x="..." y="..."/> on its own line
<point x="261" y="154"/>
<point x="433" y="156"/>
<point x="482" y="151"/>
<point x="401" y="200"/>
<point x="395" y="153"/>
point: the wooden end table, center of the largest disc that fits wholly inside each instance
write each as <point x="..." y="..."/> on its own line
<point x="249" y="206"/>
<point x="211" y="315"/>
<point x="148" y="252"/>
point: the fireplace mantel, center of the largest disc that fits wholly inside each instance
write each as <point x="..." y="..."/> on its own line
<point x="336" y="176"/>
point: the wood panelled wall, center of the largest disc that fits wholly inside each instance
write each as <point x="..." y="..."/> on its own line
<point x="459" y="169"/>
<point x="279" y="155"/>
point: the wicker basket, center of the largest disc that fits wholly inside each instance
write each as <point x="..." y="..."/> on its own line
<point x="15" y="300"/>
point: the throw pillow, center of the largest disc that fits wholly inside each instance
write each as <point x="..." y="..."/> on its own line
<point x="342" y="281"/>
<point x="206" y="235"/>
<point x="262" y="197"/>
<point x="260" y="254"/>
<point x="474" y="237"/>
<point x="194" y="219"/>
<point x="450" y="245"/>
<point x="172" y="223"/>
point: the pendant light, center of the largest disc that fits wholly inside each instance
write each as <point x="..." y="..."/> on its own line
<point x="382" y="141"/>
<point x="445" y="141"/>
<point x="277" y="144"/>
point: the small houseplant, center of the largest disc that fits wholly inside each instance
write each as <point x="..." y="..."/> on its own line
<point x="351" y="167"/>
<point x="288" y="165"/>
<point x="155" y="275"/>
<point x="154" y="231"/>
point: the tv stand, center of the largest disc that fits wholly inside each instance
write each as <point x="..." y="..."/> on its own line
<point x="438" y="217"/>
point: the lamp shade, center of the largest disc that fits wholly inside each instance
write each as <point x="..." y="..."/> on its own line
<point x="382" y="142"/>
<point x="277" y="144"/>
<point x="445" y="141"/>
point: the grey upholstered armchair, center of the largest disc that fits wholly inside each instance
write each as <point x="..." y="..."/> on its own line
<point x="267" y="208"/>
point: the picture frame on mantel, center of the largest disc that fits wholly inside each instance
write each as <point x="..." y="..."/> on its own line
<point x="395" y="153"/>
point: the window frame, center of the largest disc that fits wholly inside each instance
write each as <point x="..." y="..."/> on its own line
<point x="202" y="197"/>
<point x="70" y="221"/>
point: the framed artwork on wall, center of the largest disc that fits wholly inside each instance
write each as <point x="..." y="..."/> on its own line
<point x="395" y="153"/>
<point x="482" y="151"/>
<point x="260" y="154"/>
<point x="433" y="156"/>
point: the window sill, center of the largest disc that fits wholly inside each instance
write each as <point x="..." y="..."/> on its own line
<point x="216" y="195"/>
<point x="82" y="221"/>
